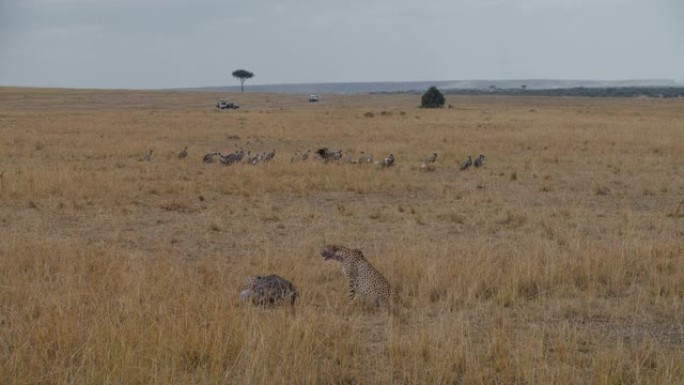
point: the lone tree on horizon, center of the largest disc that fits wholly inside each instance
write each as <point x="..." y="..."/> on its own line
<point x="432" y="98"/>
<point x="242" y="75"/>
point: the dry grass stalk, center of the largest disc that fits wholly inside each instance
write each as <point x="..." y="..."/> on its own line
<point x="549" y="264"/>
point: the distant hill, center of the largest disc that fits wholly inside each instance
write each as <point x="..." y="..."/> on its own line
<point x="598" y="92"/>
<point x="446" y="85"/>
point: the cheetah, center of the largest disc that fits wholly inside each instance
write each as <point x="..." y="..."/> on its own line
<point x="268" y="290"/>
<point x="365" y="281"/>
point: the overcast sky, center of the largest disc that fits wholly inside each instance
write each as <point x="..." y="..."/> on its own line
<point x="174" y="43"/>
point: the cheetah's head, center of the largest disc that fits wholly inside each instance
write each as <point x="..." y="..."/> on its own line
<point x="340" y="253"/>
<point x="330" y="252"/>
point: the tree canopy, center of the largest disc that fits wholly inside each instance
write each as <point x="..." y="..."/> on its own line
<point x="432" y="98"/>
<point x="242" y="75"/>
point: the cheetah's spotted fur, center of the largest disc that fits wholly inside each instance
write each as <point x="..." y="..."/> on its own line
<point x="365" y="282"/>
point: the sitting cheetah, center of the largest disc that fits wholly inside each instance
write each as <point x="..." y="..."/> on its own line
<point x="268" y="290"/>
<point x="364" y="280"/>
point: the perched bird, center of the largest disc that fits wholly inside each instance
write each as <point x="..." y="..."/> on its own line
<point x="268" y="290"/>
<point x="229" y="159"/>
<point x="389" y="161"/>
<point x="209" y="158"/>
<point x="240" y="155"/>
<point x="430" y="159"/>
<point x="269" y="155"/>
<point x="324" y="154"/>
<point x="327" y="155"/>
<point x="256" y="158"/>
<point x="467" y="163"/>
<point x="337" y="155"/>
<point x="429" y="163"/>
<point x="479" y="161"/>
<point x="299" y="156"/>
<point x="183" y="153"/>
<point x="365" y="158"/>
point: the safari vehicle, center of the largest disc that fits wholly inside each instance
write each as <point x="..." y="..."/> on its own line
<point x="313" y="98"/>
<point x="224" y="104"/>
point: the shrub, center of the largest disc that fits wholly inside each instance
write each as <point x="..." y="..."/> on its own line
<point x="432" y="98"/>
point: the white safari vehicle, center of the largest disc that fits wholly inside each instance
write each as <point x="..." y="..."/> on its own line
<point x="224" y="104"/>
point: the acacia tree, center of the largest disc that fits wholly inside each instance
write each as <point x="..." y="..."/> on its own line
<point x="242" y="75"/>
<point x="432" y="98"/>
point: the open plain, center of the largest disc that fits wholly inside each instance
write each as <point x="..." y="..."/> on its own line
<point x="560" y="261"/>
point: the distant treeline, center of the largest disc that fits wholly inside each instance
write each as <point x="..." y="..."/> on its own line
<point x="599" y="92"/>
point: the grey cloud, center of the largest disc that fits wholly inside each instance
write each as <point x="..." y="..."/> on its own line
<point x="157" y="44"/>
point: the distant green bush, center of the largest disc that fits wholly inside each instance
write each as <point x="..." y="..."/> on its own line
<point x="432" y="98"/>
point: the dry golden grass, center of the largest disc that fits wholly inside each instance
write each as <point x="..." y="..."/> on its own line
<point x="560" y="262"/>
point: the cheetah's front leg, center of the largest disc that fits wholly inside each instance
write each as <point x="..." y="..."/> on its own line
<point x="352" y="289"/>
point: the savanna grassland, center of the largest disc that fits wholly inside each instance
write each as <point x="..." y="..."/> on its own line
<point x="561" y="261"/>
